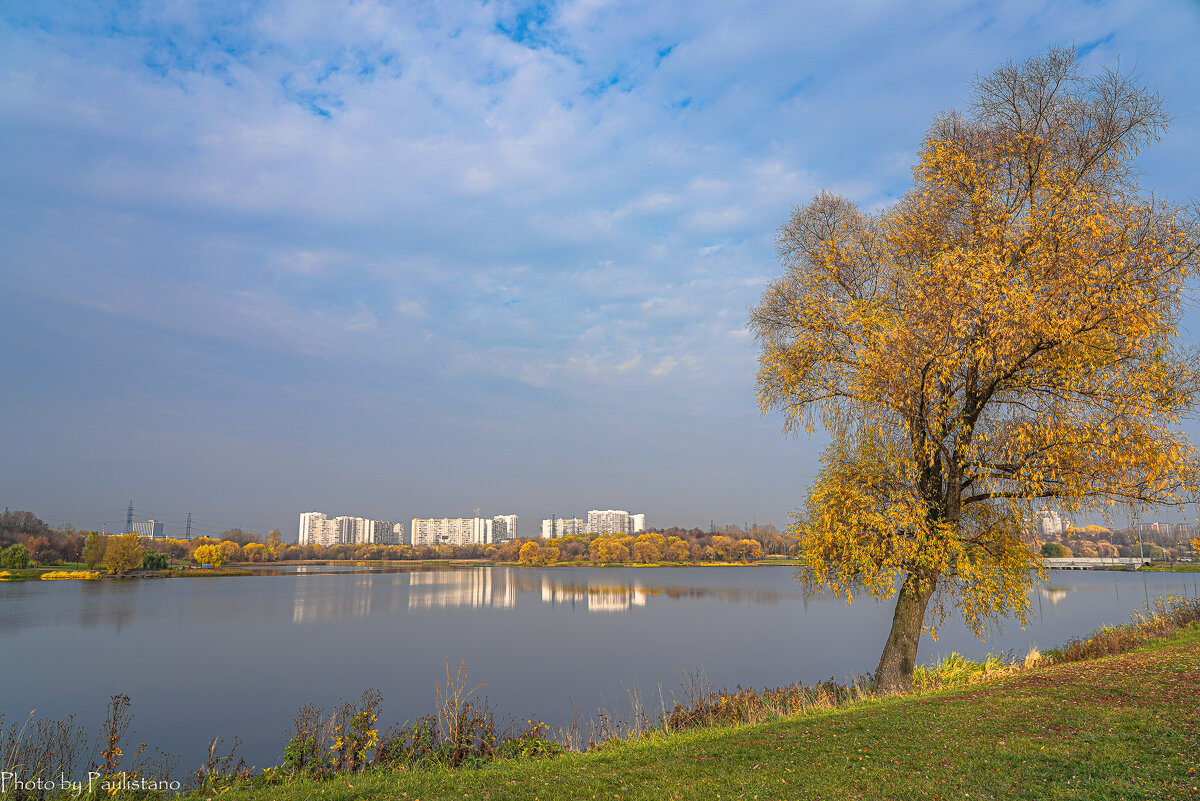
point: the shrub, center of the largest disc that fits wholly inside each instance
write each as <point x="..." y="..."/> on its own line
<point x="1055" y="550"/>
<point x="70" y="575"/>
<point x="1163" y="616"/>
<point x="15" y="557"/>
<point x="306" y="753"/>
<point x="532" y="743"/>
<point x="153" y="560"/>
<point x="955" y="670"/>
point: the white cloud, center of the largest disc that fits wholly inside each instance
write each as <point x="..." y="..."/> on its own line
<point x="665" y="365"/>
<point x="399" y="188"/>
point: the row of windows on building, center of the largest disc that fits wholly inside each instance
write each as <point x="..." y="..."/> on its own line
<point x="463" y="530"/>
<point x="607" y="521"/>
<point x="318" y="529"/>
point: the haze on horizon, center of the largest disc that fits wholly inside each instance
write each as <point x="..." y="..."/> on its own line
<point x="409" y="260"/>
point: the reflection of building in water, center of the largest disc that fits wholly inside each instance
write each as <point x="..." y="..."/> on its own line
<point x="599" y="597"/>
<point x="475" y="588"/>
<point x="342" y="597"/>
<point x="614" y="599"/>
<point x="1052" y="594"/>
<point x="558" y="593"/>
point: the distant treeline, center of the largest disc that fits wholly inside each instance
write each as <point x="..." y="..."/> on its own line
<point x="1097" y="541"/>
<point x="49" y="546"/>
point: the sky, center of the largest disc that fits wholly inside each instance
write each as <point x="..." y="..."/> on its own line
<point x="410" y="260"/>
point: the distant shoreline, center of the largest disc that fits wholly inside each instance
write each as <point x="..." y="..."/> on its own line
<point x="267" y="568"/>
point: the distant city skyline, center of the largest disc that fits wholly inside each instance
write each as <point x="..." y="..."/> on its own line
<point x="1173" y="520"/>
<point x="289" y="256"/>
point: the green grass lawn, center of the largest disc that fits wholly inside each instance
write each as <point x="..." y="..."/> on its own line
<point x="1123" y="727"/>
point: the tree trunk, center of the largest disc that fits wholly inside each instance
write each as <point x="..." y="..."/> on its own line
<point x="900" y="653"/>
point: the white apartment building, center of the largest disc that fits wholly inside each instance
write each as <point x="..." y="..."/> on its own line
<point x="1050" y="524"/>
<point x="318" y="529"/>
<point x="504" y="527"/>
<point x="453" y="530"/>
<point x="384" y="532"/>
<point x="614" y="521"/>
<point x="554" y="527"/>
<point x="352" y="530"/>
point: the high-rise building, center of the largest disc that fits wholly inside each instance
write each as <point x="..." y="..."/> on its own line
<point x="614" y="521"/>
<point x="148" y="528"/>
<point x="1049" y="524"/>
<point x="317" y="529"/>
<point x="504" y="527"/>
<point x="554" y="527"/>
<point x="383" y="532"/>
<point x="452" y="530"/>
<point x="352" y="530"/>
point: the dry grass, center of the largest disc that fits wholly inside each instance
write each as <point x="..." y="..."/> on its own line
<point x="1164" y="616"/>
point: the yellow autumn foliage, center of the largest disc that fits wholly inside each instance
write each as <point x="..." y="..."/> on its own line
<point x="70" y="575"/>
<point x="1004" y="333"/>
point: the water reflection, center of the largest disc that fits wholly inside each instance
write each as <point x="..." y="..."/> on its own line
<point x="343" y="597"/>
<point x="310" y="593"/>
<point x="592" y="597"/>
<point x="474" y="587"/>
<point x="258" y="648"/>
<point x="598" y="592"/>
<point x="1052" y="594"/>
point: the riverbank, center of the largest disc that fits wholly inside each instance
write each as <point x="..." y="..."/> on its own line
<point x="36" y="573"/>
<point x="1123" y="726"/>
<point x="269" y="568"/>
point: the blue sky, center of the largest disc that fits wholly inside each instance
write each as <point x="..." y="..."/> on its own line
<point x="412" y="259"/>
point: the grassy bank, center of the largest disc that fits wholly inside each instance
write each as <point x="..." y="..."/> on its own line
<point x="202" y="572"/>
<point x="36" y="573"/>
<point x="1121" y="727"/>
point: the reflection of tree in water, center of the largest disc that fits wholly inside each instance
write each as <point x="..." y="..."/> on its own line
<point x="112" y="605"/>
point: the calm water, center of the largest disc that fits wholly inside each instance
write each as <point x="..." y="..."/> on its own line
<point x="236" y="657"/>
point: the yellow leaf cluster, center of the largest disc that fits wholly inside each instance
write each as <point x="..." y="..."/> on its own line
<point x="1006" y="333"/>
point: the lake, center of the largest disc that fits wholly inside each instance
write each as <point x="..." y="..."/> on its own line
<point x="236" y="657"/>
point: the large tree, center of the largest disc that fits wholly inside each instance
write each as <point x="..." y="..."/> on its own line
<point x="1005" y="332"/>
<point x="123" y="553"/>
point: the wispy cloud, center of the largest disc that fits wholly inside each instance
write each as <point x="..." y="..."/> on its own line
<point x="475" y="209"/>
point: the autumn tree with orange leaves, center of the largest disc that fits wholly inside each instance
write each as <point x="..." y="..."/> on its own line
<point x="1006" y="332"/>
